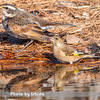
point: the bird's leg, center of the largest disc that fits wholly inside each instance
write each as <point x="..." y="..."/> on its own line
<point x="54" y="84"/>
<point x="25" y="46"/>
<point x="79" y="60"/>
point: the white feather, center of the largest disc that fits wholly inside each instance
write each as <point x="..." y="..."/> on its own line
<point x="78" y="52"/>
<point x="11" y="7"/>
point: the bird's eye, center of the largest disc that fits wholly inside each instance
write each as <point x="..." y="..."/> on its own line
<point x="56" y="38"/>
<point x="6" y="7"/>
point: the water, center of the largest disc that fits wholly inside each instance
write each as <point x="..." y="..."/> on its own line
<point x="51" y="82"/>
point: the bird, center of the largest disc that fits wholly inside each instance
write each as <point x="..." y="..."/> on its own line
<point x="63" y="77"/>
<point x="22" y="25"/>
<point x="64" y="53"/>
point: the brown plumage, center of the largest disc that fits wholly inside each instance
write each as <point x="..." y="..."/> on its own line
<point x="23" y="25"/>
<point x="65" y="53"/>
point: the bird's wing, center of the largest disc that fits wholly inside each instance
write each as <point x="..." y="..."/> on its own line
<point x="39" y="22"/>
<point x="69" y="51"/>
<point x="44" y="24"/>
<point x="26" y="30"/>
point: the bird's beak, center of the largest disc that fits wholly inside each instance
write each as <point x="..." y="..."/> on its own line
<point x="52" y="39"/>
<point x="1" y="7"/>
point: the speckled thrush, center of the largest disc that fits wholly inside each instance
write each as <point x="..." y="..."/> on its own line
<point x="23" y="25"/>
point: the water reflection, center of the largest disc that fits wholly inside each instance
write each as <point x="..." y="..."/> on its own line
<point x="52" y="77"/>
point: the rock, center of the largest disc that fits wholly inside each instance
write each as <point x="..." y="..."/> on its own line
<point x="71" y="39"/>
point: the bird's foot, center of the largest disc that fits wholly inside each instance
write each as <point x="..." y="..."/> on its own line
<point x="25" y="46"/>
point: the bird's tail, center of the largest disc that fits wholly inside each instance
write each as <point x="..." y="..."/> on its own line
<point x="65" y="24"/>
<point x="91" y="56"/>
